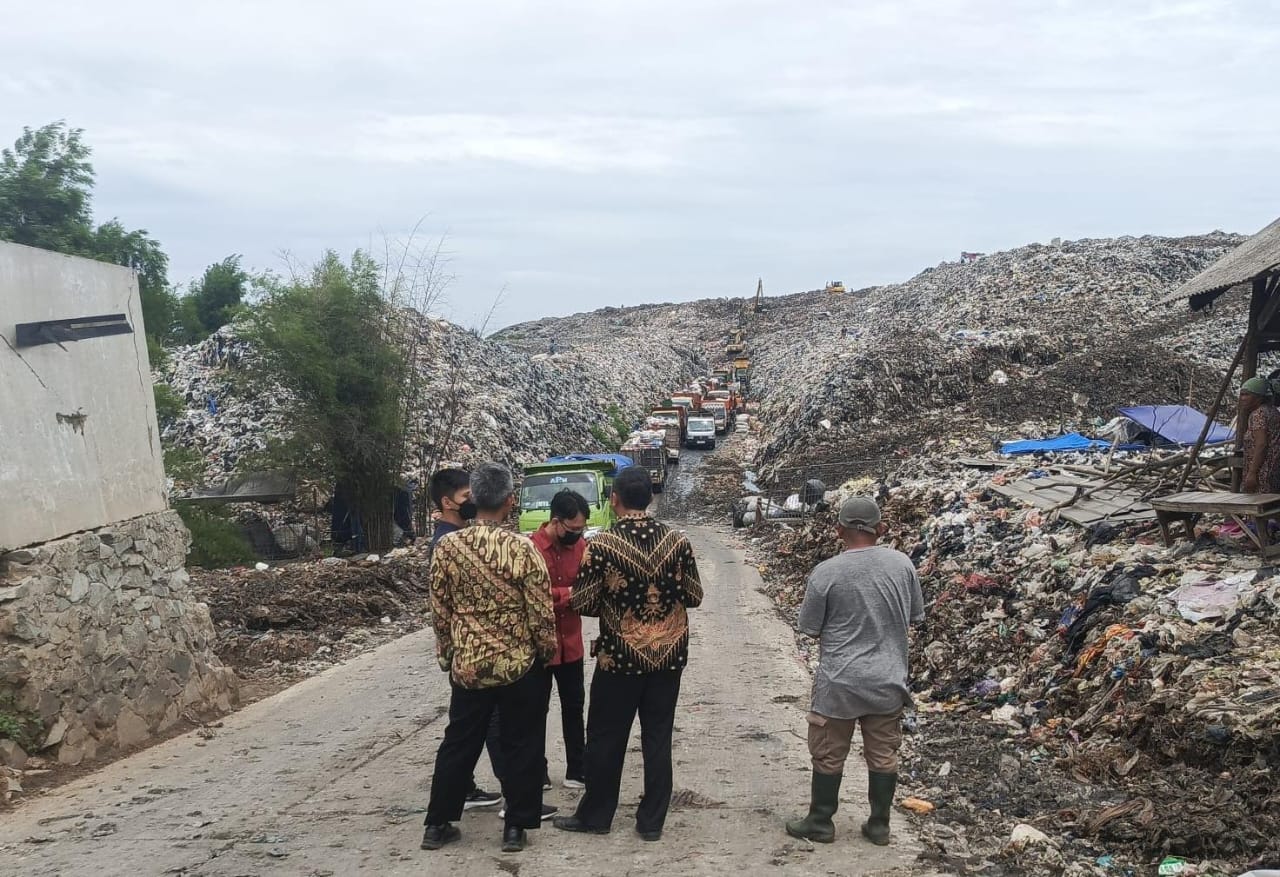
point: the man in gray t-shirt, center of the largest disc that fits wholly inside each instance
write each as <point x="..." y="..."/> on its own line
<point x="858" y="605"/>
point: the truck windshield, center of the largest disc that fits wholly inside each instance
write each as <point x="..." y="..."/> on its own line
<point x="539" y="489"/>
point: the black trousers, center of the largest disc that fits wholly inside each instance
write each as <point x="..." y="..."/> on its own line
<point x="568" y="680"/>
<point x="523" y="732"/>
<point x="616" y="699"/>
<point x="492" y="745"/>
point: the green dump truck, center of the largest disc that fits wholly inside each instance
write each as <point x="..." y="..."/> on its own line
<point x="590" y="475"/>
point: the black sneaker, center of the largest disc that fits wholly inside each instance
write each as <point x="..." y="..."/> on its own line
<point x="547" y="812"/>
<point x="480" y="798"/>
<point x="437" y="836"/>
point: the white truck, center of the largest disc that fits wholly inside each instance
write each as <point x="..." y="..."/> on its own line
<point x="701" y="432"/>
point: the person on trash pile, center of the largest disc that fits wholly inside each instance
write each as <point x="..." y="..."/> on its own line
<point x="495" y="632"/>
<point x="561" y="544"/>
<point x="859" y="605"/>
<point x="640" y="578"/>
<point x="1258" y="413"/>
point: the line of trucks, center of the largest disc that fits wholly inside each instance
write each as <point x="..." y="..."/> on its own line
<point x="692" y="417"/>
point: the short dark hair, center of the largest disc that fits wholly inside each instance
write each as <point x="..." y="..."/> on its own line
<point x="569" y="504"/>
<point x="634" y="488"/>
<point x="447" y="482"/>
<point x="491" y="486"/>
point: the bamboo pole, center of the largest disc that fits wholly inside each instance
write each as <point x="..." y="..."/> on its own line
<point x="1213" y="413"/>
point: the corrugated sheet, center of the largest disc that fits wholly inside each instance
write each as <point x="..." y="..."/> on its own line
<point x="1257" y="255"/>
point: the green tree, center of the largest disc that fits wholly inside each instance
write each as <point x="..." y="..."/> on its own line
<point x="328" y="340"/>
<point x="46" y="189"/>
<point x="112" y="242"/>
<point x="214" y="300"/>
<point x="45" y="186"/>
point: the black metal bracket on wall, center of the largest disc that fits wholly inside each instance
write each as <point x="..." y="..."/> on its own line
<point x="77" y="329"/>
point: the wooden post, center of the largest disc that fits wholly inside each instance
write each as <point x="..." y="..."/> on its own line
<point x="1252" y="338"/>
<point x="1213" y="413"/>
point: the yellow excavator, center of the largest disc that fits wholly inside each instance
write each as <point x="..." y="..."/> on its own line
<point x="759" y="307"/>
<point x="835" y="286"/>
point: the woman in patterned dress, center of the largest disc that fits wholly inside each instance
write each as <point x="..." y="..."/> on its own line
<point x="1261" y="438"/>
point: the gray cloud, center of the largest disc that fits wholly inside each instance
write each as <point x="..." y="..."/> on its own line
<point x="585" y="154"/>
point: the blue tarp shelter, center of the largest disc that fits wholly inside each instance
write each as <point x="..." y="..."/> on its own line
<point x="1072" y="441"/>
<point x="1178" y="424"/>
<point x="619" y="461"/>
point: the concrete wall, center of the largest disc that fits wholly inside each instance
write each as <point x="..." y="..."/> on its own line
<point x="60" y="476"/>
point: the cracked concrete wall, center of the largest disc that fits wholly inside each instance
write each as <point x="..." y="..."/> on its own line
<point x="77" y="425"/>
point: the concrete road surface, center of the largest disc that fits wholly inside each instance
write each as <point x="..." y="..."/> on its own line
<point x="331" y="776"/>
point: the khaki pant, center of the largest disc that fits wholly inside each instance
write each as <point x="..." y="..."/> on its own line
<point x="830" y="740"/>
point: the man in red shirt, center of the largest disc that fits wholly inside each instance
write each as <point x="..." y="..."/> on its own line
<point x="562" y="547"/>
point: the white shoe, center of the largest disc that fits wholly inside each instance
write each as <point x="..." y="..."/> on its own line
<point x="547" y="812"/>
<point x="571" y="783"/>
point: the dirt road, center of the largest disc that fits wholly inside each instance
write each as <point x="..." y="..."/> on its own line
<point x="331" y="776"/>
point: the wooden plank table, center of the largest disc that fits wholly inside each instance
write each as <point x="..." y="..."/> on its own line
<point x="1244" y="508"/>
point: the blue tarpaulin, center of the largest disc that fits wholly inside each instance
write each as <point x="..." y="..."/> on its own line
<point x="619" y="461"/>
<point x="1179" y="424"/>
<point x="1072" y="441"/>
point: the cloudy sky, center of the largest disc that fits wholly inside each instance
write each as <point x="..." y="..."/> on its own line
<point x="583" y="154"/>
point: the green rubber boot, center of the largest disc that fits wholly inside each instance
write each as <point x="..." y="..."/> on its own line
<point x="880" y="789"/>
<point x="823" y="801"/>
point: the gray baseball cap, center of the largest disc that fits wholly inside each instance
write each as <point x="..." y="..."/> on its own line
<point x="859" y="513"/>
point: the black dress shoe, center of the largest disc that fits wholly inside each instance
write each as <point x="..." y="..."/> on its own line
<point x="437" y="836"/>
<point x="573" y="823"/>
<point x="514" y="840"/>
<point x="654" y="835"/>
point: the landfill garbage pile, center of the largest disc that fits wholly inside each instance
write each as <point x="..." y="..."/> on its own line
<point x="475" y="399"/>
<point x="290" y="621"/>
<point x="1115" y="700"/>
<point x="1063" y="332"/>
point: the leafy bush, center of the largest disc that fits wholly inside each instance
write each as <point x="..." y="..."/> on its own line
<point x="169" y="405"/>
<point x="216" y="541"/>
<point x="17" y="725"/>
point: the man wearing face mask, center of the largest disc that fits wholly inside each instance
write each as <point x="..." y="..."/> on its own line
<point x="450" y="491"/>
<point x="561" y="545"/>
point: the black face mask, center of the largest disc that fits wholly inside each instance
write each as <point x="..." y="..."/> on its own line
<point x="467" y="511"/>
<point x="570" y="538"/>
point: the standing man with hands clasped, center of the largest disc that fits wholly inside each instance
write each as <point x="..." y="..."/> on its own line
<point x="859" y="604"/>
<point x="561" y="545"/>
<point x="639" y="577"/>
<point x="495" y="631"/>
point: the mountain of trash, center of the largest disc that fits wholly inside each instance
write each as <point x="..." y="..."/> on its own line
<point x="477" y="399"/>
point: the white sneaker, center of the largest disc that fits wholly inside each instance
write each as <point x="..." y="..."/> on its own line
<point x="547" y="812"/>
<point x="571" y="783"/>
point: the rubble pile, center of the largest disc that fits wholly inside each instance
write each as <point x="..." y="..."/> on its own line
<point x="297" y="619"/>
<point x="474" y="398"/>
<point x="1118" y="696"/>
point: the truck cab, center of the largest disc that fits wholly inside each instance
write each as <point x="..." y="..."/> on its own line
<point x="701" y="432"/>
<point x="719" y="411"/>
<point x="590" y="475"/>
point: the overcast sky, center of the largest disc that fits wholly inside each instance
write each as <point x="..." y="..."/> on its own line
<point x="592" y="153"/>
